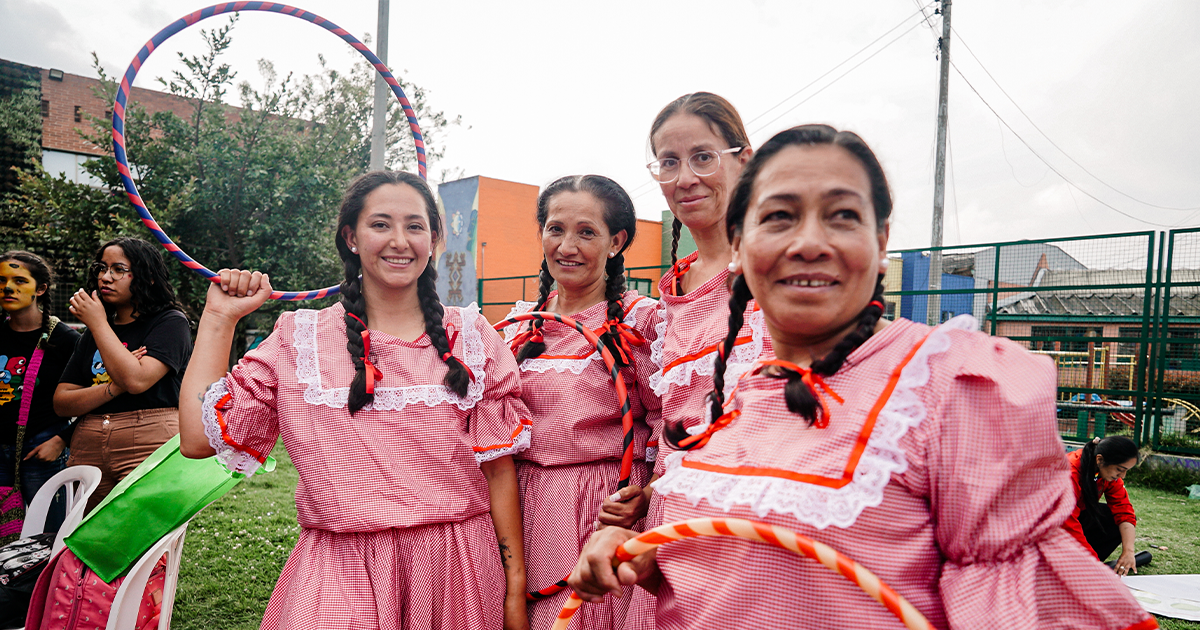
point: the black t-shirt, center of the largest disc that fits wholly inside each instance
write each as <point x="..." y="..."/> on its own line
<point x="167" y="337"/>
<point x="16" y="348"/>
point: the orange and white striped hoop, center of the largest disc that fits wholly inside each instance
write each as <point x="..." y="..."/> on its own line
<point x="772" y="535"/>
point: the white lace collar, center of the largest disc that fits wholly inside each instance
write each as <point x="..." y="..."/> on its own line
<point x="308" y="370"/>
<point x="815" y="505"/>
<point x="740" y="360"/>
<point x="574" y="366"/>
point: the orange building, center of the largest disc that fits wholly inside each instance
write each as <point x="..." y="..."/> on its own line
<point x="494" y="222"/>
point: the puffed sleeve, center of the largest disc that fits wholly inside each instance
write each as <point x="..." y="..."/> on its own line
<point x="239" y="411"/>
<point x="499" y="422"/>
<point x="645" y="314"/>
<point x="1000" y="489"/>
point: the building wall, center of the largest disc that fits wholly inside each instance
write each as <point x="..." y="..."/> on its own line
<point x="686" y="246"/>
<point x="646" y="251"/>
<point x="508" y="243"/>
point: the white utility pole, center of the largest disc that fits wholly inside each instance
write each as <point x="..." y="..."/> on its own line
<point x="934" y="303"/>
<point x="382" y="94"/>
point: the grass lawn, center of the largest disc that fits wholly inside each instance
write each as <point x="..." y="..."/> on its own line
<point x="236" y="548"/>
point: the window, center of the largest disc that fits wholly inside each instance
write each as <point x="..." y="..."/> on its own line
<point x="1063" y="331"/>
<point x="45" y="108"/>
<point x="78" y="114"/>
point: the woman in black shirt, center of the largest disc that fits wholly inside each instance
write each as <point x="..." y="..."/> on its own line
<point x="128" y="400"/>
<point x="25" y="281"/>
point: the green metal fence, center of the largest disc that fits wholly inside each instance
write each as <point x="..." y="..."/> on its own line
<point x="1118" y="313"/>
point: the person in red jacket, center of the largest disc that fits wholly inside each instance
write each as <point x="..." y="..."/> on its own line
<point x="1102" y="526"/>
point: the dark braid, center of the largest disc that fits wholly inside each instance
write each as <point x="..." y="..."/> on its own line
<point x="614" y="293"/>
<point x="457" y="378"/>
<point x="532" y="348"/>
<point x="356" y="306"/>
<point x="676" y="228"/>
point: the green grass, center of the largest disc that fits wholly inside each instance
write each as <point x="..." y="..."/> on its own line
<point x="235" y="549"/>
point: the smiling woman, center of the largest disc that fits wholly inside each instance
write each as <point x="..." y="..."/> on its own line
<point x="929" y="455"/>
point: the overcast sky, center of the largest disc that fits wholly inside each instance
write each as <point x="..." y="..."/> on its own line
<point x="555" y="88"/>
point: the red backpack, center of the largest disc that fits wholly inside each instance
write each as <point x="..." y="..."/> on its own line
<point x="69" y="596"/>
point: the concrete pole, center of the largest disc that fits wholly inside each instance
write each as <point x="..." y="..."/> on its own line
<point x="934" y="314"/>
<point x="382" y="94"/>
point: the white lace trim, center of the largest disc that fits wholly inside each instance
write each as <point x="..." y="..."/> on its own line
<point x="740" y="360"/>
<point x="233" y="459"/>
<point x="574" y="366"/>
<point x="815" y="505"/>
<point x="308" y="371"/>
<point x="519" y="443"/>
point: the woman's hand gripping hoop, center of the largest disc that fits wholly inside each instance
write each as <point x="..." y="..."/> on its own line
<point x="622" y="397"/>
<point x="772" y="535"/>
<point x="118" y="120"/>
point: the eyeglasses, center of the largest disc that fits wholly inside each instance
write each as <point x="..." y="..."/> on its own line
<point x="702" y="163"/>
<point x="116" y="271"/>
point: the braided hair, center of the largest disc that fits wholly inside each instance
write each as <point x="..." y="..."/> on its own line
<point x="42" y="274"/>
<point x="1115" y="449"/>
<point x="355" y="303"/>
<point x="800" y="398"/>
<point x="619" y="216"/>
<point x="724" y="119"/>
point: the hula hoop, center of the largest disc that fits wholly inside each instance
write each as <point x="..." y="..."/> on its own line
<point x="762" y="532"/>
<point x="118" y="120"/>
<point x="622" y="396"/>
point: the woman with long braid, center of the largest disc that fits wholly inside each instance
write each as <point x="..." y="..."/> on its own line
<point x="929" y="455"/>
<point x="401" y="417"/>
<point x="700" y="147"/>
<point x="574" y="459"/>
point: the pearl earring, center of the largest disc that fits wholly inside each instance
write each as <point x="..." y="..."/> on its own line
<point x="883" y="263"/>
<point x="612" y="254"/>
<point x="353" y="250"/>
<point x="733" y="267"/>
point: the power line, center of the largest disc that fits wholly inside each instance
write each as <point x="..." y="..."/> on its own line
<point x="1048" y="139"/>
<point x="1045" y="161"/>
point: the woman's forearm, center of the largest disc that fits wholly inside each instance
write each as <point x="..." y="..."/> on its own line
<point x="501" y="476"/>
<point x="76" y="400"/>
<point x="1128" y="536"/>
<point x="209" y="362"/>
<point x="123" y="368"/>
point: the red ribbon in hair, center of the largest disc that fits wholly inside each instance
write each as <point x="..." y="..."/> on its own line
<point x="534" y="335"/>
<point x="679" y="271"/>
<point x="700" y="439"/>
<point x="815" y="384"/>
<point x="625" y="335"/>
<point x="877" y="303"/>
<point x="452" y="336"/>
<point x="373" y="373"/>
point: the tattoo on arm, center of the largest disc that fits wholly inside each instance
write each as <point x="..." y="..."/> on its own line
<point x="505" y="552"/>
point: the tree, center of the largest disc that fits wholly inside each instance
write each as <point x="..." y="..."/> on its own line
<point x="255" y="188"/>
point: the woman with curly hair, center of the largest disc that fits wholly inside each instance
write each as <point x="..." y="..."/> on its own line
<point x="123" y="379"/>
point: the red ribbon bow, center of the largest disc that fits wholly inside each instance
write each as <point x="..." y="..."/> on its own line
<point x="534" y="335"/>
<point x="373" y="373"/>
<point x="452" y="336"/>
<point x="815" y="384"/>
<point x="626" y="335"/>
<point x="700" y="439"/>
<point x="679" y="271"/>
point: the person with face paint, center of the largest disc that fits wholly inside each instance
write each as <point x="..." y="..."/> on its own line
<point x="929" y="455"/>
<point x="25" y="283"/>
<point x="574" y="458"/>
<point x="401" y="417"/>
<point x="123" y="380"/>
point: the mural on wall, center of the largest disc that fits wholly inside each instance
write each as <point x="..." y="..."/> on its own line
<point x="456" y="283"/>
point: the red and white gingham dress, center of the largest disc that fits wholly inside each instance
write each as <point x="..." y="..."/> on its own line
<point x="573" y="460"/>
<point x="690" y="329"/>
<point x="394" y="509"/>
<point x="952" y="489"/>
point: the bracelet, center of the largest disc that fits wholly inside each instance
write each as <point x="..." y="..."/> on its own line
<point x="108" y="390"/>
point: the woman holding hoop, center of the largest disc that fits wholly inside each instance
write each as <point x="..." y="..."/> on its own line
<point x="123" y="379"/>
<point x="574" y="459"/>
<point x="401" y="417"/>
<point x="892" y="443"/>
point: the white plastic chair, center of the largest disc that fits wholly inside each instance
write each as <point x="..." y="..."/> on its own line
<point x="127" y="602"/>
<point x="78" y="483"/>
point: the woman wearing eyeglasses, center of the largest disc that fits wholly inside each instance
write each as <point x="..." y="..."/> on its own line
<point x="700" y="147"/>
<point x="123" y="379"/>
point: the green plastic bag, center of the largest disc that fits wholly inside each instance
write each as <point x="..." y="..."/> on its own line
<point x="162" y="493"/>
<point x="1194" y="491"/>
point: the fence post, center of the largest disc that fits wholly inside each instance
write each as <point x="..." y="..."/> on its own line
<point x="995" y="287"/>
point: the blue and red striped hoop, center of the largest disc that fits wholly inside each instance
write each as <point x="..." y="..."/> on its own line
<point x="118" y="120"/>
